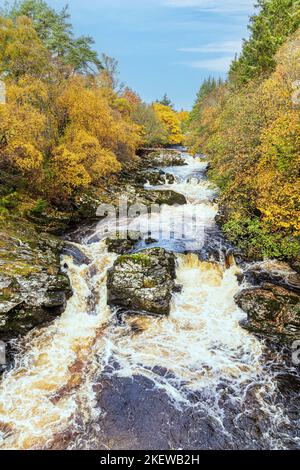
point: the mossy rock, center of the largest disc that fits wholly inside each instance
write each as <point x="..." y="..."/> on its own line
<point x="272" y="311"/>
<point x="143" y="282"/>
<point x="34" y="290"/>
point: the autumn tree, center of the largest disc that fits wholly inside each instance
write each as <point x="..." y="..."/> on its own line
<point x="21" y="50"/>
<point x="251" y="134"/>
<point x="171" y="122"/>
<point x="22" y="129"/>
<point x="95" y="136"/>
<point x="56" y="33"/>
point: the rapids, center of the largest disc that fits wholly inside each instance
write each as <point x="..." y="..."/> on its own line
<point x="193" y="380"/>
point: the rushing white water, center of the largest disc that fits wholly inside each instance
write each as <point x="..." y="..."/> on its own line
<point x="40" y="395"/>
<point x="200" y="348"/>
<point x="199" y="344"/>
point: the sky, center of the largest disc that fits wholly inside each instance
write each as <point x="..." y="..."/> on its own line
<point x="164" y="46"/>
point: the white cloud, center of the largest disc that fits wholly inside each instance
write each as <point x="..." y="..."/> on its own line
<point x="232" y="6"/>
<point x="237" y="6"/>
<point x="218" y="47"/>
<point x="213" y="65"/>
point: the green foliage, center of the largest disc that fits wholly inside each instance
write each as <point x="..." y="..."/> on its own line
<point x="275" y="21"/>
<point x="208" y="86"/>
<point x="250" y="129"/>
<point x="249" y="236"/>
<point x="153" y="131"/>
<point x="166" y="101"/>
<point x="9" y="202"/>
<point x="56" y="33"/>
<point x="39" y="207"/>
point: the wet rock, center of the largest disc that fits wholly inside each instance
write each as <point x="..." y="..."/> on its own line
<point x="143" y="282"/>
<point x="154" y="178"/>
<point x="146" y="197"/>
<point x="79" y="258"/>
<point x="170" y="178"/>
<point x="33" y="289"/>
<point x="272" y="311"/>
<point x="37" y="299"/>
<point x="150" y="241"/>
<point x="274" y="272"/>
<point x="167" y="197"/>
<point x="295" y="265"/>
<point x="123" y="242"/>
<point x="166" y="158"/>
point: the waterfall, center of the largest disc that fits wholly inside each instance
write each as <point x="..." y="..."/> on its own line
<point x="198" y="356"/>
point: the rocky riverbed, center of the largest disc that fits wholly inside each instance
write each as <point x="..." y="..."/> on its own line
<point x="154" y="348"/>
<point x="34" y="288"/>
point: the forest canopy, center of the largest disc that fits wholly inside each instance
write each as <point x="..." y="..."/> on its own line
<point x="249" y="126"/>
<point x="68" y="123"/>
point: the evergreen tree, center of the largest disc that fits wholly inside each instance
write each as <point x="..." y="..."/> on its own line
<point x="166" y="101"/>
<point x="269" y="28"/>
<point x="56" y="32"/>
<point x="207" y="87"/>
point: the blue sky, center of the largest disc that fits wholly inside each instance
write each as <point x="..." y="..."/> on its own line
<point x="164" y="45"/>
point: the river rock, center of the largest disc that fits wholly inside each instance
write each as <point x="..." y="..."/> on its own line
<point x="272" y="311"/>
<point x="123" y="242"/>
<point x="156" y="178"/>
<point x="274" y="272"/>
<point x="143" y="282"/>
<point x="166" y="158"/>
<point x="33" y="288"/>
<point x="167" y="197"/>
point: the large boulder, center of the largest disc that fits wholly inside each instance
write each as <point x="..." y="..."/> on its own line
<point x="143" y="282"/>
<point x="152" y="157"/>
<point x="274" y="272"/>
<point x="167" y="197"/>
<point x="272" y="312"/>
<point x="154" y="178"/>
<point x="33" y="288"/>
<point x="123" y="242"/>
<point x="167" y="158"/>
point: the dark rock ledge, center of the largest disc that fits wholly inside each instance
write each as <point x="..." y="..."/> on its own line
<point x="33" y="288"/>
<point x="273" y="304"/>
<point x="143" y="282"/>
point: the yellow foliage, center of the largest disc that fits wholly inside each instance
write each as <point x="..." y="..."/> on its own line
<point x="98" y="161"/>
<point x="62" y="132"/>
<point x="171" y="122"/>
<point x="68" y="171"/>
<point x="22" y="129"/>
<point x="21" y="50"/>
<point x="26" y="157"/>
<point x="252" y="136"/>
<point x="183" y="116"/>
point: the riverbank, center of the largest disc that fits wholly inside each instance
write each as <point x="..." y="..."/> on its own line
<point x="34" y="286"/>
<point x="99" y="378"/>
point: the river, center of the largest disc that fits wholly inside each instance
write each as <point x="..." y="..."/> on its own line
<point x="193" y="380"/>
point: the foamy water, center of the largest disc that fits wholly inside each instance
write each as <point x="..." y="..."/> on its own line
<point x="39" y="396"/>
<point x="200" y="342"/>
<point x="199" y="349"/>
